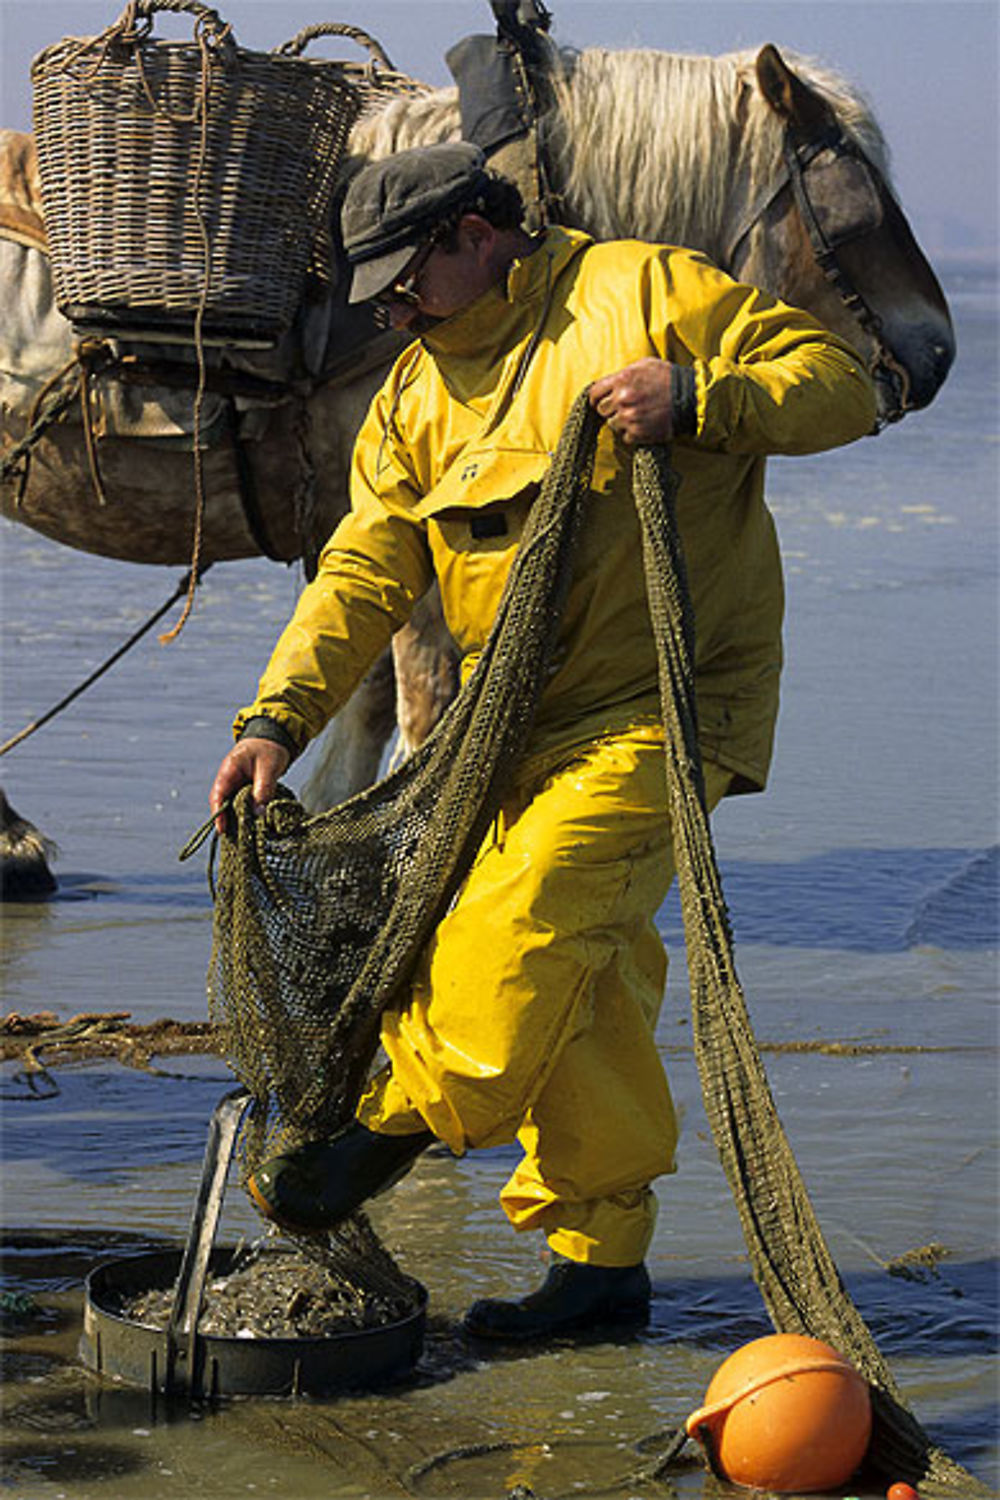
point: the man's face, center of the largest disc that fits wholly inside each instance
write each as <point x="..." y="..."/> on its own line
<point x="437" y="282"/>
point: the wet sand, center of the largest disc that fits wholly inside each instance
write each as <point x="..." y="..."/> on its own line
<point x="472" y="1421"/>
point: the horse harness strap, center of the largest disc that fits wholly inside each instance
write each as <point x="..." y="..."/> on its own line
<point x="829" y="227"/>
<point x="505" y="91"/>
<point x="869" y="193"/>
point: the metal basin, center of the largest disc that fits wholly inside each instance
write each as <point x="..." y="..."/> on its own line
<point x="119" y="1348"/>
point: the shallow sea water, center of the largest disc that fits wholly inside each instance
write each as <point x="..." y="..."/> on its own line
<point x="863" y="890"/>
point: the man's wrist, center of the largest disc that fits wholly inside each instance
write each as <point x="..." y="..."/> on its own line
<point x="260" y="727"/>
<point x="683" y="401"/>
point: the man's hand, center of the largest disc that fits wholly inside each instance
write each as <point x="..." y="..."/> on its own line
<point x="636" y="402"/>
<point x="254" y="762"/>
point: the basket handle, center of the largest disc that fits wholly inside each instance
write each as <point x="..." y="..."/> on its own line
<point x="217" y="31"/>
<point x="298" y="43"/>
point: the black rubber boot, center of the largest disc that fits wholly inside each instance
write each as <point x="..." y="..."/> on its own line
<point x="317" y="1186"/>
<point x="573" y="1296"/>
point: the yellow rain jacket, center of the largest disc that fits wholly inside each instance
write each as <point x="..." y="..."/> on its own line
<point x="533" y="1011"/>
<point x="448" y="459"/>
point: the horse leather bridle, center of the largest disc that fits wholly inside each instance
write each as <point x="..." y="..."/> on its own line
<point x="841" y="198"/>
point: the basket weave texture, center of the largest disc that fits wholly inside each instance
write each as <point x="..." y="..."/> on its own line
<point x="180" y="179"/>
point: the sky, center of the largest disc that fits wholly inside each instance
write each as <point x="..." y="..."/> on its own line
<point x="929" y="68"/>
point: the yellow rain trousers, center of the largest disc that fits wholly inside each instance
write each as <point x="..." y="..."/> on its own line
<point x="534" y="1010"/>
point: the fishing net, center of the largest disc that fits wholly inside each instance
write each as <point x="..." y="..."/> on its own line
<point x="320" y="921"/>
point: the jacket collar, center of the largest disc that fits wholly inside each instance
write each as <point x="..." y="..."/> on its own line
<point x="489" y="321"/>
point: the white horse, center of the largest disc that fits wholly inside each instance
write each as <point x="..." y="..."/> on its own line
<point x="642" y="144"/>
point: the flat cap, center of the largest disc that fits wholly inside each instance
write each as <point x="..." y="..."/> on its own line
<point x="392" y="205"/>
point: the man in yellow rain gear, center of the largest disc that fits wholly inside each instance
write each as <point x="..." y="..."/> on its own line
<point x="533" y="1012"/>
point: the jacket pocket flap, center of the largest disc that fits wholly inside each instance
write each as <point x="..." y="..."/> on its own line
<point x="482" y="477"/>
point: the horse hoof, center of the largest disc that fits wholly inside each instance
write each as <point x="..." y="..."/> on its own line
<point x="24" y="856"/>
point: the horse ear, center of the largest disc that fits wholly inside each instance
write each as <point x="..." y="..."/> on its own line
<point x="787" y="95"/>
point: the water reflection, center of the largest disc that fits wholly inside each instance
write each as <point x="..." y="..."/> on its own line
<point x="864" y="900"/>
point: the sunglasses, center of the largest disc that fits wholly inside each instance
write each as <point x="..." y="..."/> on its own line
<point x="405" y="289"/>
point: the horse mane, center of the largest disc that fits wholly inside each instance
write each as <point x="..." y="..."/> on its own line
<point x="619" y="175"/>
<point x="406" y="121"/>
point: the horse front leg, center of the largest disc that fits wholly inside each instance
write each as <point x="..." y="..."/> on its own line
<point x="349" y="754"/>
<point x="427" y="671"/>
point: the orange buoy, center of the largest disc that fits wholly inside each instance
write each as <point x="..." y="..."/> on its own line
<point x="785" y="1413"/>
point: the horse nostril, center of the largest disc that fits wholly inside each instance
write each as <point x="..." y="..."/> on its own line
<point x="943" y="354"/>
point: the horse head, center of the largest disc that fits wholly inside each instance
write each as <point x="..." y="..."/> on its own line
<point x="780" y="176"/>
<point x="826" y="232"/>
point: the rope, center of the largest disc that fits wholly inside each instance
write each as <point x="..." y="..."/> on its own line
<point x="201" y="108"/>
<point x="41" y="422"/>
<point x="90" y="357"/>
<point x="185" y="587"/>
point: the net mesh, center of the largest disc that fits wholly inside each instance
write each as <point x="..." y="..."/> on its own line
<point x="320" y="921"/>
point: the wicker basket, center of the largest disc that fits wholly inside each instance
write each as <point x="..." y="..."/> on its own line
<point x="185" y="184"/>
